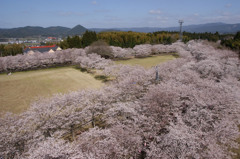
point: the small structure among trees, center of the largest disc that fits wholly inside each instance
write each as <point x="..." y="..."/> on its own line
<point x="50" y="49"/>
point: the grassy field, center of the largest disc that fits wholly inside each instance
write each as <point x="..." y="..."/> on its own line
<point x="147" y="62"/>
<point x="18" y="90"/>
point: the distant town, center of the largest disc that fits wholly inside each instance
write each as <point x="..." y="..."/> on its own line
<point x="31" y="41"/>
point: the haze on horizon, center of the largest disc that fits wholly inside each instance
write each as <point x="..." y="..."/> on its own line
<point x="116" y="14"/>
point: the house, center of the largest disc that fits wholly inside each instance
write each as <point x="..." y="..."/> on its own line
<point x="51" y="39"/>
<point x="50" y="49"/>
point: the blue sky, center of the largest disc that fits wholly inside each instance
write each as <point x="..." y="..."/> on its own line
<point x="116" y="13"/>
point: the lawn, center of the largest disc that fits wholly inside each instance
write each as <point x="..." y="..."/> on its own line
<point x="147" y="62"/>
<point x="18" y="90"/>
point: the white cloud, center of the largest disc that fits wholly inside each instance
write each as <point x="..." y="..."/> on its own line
<point x="155" y="12"/>
<point x="94" y="2"/>
<point x="225" y="17"/>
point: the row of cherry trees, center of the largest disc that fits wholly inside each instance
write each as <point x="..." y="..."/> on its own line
<point x="192" y="112"/>
<point x="84" y="57"/>
<point x="44" y="60"/>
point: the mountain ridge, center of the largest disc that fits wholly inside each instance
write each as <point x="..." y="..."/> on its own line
<point x="33" y="31"/>
<point x="198" y="28"/>
<point x="76" y="29"/>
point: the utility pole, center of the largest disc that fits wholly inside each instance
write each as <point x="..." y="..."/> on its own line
<point x="180" y="33"/>
<point x="157" y="76"/>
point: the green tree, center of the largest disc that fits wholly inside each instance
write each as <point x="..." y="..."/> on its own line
<point x="64" y="44"/>
<point x="74" y="42"/>
<point x="88" y="38"/>
<point x="237" y="36"/>
<point x="12" y="49"/>
<point x="1" y="50"/>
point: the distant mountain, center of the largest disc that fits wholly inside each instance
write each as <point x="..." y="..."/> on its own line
<point x="209" y="27"/>
<point x="22" y="31"/>
<point x="58" y="30"/>
<point x="104" y="30"/>
<point x="32" y="31"/>
<point x="77" y="30"/>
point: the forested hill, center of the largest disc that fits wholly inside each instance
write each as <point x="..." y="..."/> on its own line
<point x="31" y="31"/>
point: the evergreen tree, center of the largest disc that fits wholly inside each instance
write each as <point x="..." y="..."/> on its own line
<point x="64" y="44"/>
<point x="88" y="38"/>
<point x="1" y="50"/>
<point x="237" y="36"/>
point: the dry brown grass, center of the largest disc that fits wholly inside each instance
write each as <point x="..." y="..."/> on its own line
<point x="147" y="62"/>
<point x="18" y="90"/>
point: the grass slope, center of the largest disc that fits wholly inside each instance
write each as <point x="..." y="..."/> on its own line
<point x="20" y="89"/>
<point x="147" y="62"/>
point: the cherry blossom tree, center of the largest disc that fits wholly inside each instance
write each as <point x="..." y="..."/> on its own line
<point x="143" y="50"/>
<point x="193" y="111"/>
<point x="120" y="53"/>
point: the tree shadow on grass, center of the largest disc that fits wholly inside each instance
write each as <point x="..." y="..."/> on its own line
<point x="103" y="78"/>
